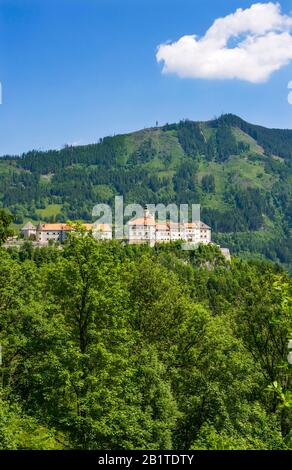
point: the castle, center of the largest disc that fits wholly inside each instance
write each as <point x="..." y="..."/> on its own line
<point x="138" y="231"/>
<point x="147" y="230"/>
<point x="45" y="233"/>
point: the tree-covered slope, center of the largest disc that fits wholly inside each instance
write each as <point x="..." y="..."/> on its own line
<point x="241" y="174"/>
<point x="97" y="354"/>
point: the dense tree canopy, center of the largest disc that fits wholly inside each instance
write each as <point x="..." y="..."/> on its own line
<point x="109" y="346"/>
<point x="5" y="229"/>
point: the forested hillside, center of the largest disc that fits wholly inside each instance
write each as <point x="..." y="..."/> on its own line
<point x="111" y="346"/>
<point x="241" y="174"/>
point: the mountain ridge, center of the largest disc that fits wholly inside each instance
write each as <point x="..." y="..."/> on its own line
<point x="240" y="173"/>
<point x="228" y="116"/>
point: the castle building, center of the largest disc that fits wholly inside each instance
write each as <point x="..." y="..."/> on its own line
<point x="146" y="230"/>
<point x="44" y="233"/>
<point x="52" y="232"/>
<point x="143" y="230"/>
<point x="139" y="231"/>
<point x="28" y="231"/>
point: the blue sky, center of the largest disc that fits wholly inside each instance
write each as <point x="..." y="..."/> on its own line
<point x="76" y="70"/>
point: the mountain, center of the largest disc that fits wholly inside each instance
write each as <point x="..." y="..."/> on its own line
<point x="240" y="173"/>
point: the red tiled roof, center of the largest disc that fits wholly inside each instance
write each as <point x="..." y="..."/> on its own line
<point x="196" y="224"/>
<point x="167" y="225"/>
<point x="101" y="227"/>
<point x="142" y="221"/>
<point x="55" y="227"/>
<point x="69" y="228"/>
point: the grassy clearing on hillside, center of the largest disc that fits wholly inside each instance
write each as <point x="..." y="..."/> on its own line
<point x="245" y="173"/>
<point x="46" y="178"/>
<point x="238" y="171"/>
<point x="103" y="192"/>
<point x="10" y="166"/>
<point x="50" y="211"/>
<point x="169" y="153"/>
<point x="243" y="137"/>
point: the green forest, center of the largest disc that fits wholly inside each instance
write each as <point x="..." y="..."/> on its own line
<point x="240" y="173"/>
<point x="110" y="346"/>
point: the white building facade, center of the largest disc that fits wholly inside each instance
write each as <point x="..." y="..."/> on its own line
<point x="46" y="233"/>
<point x="146" y="230"/>
<point x="142" y="230"/>
<point x="139" y="231"/>
<point x="28" y="231"/>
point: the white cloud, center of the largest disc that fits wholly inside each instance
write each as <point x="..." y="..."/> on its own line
<point x="263" y="45"/>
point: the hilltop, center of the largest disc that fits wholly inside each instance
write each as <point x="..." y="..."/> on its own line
<point x="240" y="173"/>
